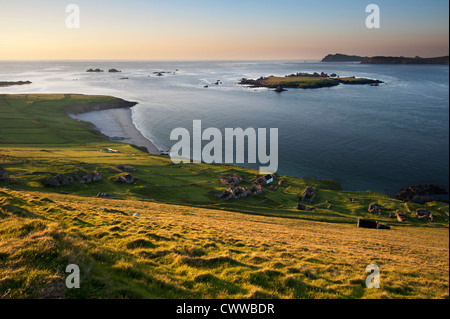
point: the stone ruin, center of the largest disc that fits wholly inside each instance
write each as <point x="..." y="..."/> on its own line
<point x="309" y="195"/>
<point x="240" y="192"/>
<point x="126" y="179"/>
<point x="233" y="180"/>
<point x="64" y="179"/>
<point x="423" y="214"/>
<point x="375" y="208"/>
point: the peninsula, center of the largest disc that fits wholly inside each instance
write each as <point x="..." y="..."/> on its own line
<point x="444" y="60"/>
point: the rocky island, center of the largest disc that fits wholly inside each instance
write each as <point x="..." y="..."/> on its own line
<point x="9" y="83"/>
<point x="305" y="81"/>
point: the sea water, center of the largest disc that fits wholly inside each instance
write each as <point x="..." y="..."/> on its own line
<point x="380" y="138"/>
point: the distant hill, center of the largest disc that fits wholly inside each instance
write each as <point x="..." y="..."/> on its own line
<point x="343" y="58"/>
<point x="385" y="59"/>
<point x="403" y="60"/>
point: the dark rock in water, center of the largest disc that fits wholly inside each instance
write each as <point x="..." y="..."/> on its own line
<point x="126" y="179"/>
<point x="280" y="89"/>
<point x="421" y="194"/>
<point x="96" y="70"/>
<point x="114" y="71"/>
<point x="3" y="174"/>
<point x="375" y="208"/>
<point x="9" y="83"/>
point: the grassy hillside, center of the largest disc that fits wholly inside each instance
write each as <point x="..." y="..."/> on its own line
<point x="187" y="242"/>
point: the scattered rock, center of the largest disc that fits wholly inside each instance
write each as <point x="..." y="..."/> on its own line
<point x="3" y="174"/>
<point x="126" y="179"/>
<point x="109" y="150"/>
<point x="124" y="169"/>
<point x="402" y="216"/>
<point x="301" y="207"/>
<point x="375" y="208"/>
<point x="96" y="70"/>
<point x="424" y="214"/>
<point x="106" y="195"/>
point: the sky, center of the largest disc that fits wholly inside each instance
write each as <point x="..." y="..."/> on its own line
<point x="220" y="30"/>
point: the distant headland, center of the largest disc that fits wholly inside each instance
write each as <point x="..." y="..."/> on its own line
<point x="444" y="60"/>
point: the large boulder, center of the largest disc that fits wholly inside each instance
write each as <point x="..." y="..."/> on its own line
<point x="52" y="181"/>
<point x="3" y="174"/>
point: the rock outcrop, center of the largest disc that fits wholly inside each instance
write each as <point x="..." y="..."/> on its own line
<point x="125" y="179"/>
<point x="420" y="194"/>
<point x="62" y="179"/>
<point x="3" y="174"/>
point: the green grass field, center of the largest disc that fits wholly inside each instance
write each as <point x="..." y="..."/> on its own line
<point x="187" y="243"/>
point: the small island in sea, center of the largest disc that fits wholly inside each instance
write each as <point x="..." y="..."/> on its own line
<point x="305" y="81"/>
<point x="11" y="83"/>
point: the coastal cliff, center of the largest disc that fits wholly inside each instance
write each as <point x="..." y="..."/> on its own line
<point x="98" y="106"/>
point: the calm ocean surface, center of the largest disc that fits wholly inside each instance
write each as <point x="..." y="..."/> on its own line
<point x="379" y="138"/>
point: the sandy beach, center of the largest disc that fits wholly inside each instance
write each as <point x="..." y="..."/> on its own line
<point x="118" y="125"/>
